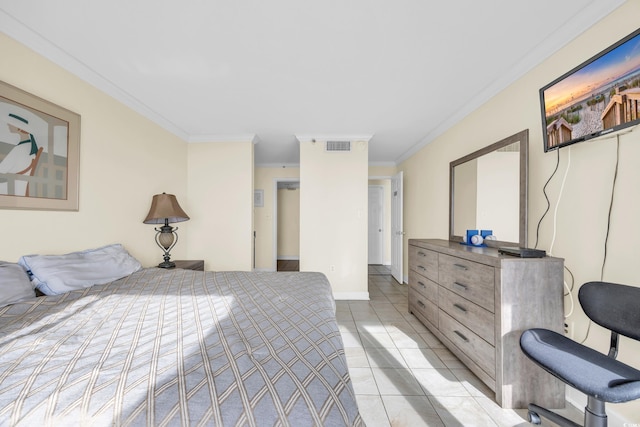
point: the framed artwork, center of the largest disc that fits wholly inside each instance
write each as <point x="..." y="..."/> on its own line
<point x="39" y="153"/>
<point x="258" y="198"/>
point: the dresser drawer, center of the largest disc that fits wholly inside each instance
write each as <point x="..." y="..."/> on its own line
<point x="424" y="286"/>
<point x="468" y="279"/>
<point x="474" y="317"/>
<point x="477" y="349"/>
<point x="428" y="310"/>
<point x="424" y="262"/>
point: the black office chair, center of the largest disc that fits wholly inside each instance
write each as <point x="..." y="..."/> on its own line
<point x="599" y="376"/>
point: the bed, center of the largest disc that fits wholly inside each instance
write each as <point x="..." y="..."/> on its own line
<point x="178" y="347"/>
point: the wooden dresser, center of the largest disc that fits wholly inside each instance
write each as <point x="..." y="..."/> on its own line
<point x="478" y="302"/>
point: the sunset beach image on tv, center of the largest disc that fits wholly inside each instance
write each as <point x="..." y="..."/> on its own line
<point x="600" y="96"/>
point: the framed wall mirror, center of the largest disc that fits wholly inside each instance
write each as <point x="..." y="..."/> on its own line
<point x="488" y="191"/>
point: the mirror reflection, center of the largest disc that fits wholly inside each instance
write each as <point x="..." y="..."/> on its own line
<point x="487" y="194"/>
<point x="488" y="191"/>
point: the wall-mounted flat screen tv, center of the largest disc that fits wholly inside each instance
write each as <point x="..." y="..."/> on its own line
<point x="599" y="96"/>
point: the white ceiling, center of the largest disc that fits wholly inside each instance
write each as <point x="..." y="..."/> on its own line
<point x="402" y="71"/>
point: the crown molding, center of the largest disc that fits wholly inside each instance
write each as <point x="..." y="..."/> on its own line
<point x="249" y="137"/>
<point x="581" y="22"/>
<point x="42" y="46"/>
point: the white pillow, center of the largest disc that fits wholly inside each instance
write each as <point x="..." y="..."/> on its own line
<point x="57" y="274"/>
<point x="15" y="285"/>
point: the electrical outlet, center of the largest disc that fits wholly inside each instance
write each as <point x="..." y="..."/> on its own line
<point x="569" y="329"/>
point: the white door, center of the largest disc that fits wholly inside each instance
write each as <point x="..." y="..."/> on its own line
<point x="376" y="218"/>
<point x="397" y="233"/>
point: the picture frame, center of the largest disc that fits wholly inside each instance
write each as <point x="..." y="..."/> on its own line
<point x="39" y="153"/>
<point x="258" y="198"/>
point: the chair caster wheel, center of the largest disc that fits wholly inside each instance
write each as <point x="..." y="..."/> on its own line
<point x="534" y="418"/>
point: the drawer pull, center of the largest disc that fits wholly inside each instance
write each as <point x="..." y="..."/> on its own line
<point x="460" y="266"/>
<point x="423" y="285"/>
<point x="422" y="253"/>
<point x="461" y="308"/>
<point x="422" y="268"/>
<point x="421" y="304"/>
<point x="460" y="286"/>
<point x="461" y="335"/>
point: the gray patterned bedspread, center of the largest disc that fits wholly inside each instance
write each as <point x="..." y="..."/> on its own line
<point x="178" y="347"/>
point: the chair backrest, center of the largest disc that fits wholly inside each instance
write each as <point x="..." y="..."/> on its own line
<point x="613" y="306"/>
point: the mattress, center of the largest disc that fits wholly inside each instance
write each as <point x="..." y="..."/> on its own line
<point x="178" y="347"/>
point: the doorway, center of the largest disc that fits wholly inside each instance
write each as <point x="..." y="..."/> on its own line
<point x="286" y="224"/>
<point x="392" y="233"/>
<point x="288" y="265"/>
<point x="377" y="225"/>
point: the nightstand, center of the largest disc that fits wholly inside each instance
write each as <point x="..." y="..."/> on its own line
<point x="190" y="264"/>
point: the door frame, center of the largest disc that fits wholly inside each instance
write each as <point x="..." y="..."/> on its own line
<point x="397" y="227"/>
<point x="382" y="239"/>
<point x="398" y="270"/>
<point x="275" y="216"/>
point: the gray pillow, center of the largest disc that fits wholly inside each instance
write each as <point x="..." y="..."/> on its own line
<point x="57" y="274"/>
<point x="15" y="285"/>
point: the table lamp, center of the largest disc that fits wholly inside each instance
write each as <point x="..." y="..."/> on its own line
<point x="164" y="210"/>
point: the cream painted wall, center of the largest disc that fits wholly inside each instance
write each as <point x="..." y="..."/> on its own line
<point x="382" y="171"/>
<point x="583" y="208"/>
<point x="265" y="179"/>
<point x="289" y="223"/>
<point x="333" y="216"/>
<point x="124" y="160"/>
<point x="220" y="177"/>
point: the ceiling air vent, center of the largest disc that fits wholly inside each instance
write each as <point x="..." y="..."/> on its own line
<point x="338" y="145"/>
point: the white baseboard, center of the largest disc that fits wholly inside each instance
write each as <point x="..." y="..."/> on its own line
<point x="362" y="296"/>
<point x="263" y="269"/>
<point x="288" y="258"/>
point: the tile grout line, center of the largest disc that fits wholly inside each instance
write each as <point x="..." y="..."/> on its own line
<point x="405" y="318"/>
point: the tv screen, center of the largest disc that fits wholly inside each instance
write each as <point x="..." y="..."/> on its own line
<point x="599" y="96"/>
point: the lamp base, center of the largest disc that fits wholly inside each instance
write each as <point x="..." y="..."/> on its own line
<point x="167" y="264"/>
<point x="166" y="238"/>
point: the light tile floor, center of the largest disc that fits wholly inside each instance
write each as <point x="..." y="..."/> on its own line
<point x="403" y="376"/>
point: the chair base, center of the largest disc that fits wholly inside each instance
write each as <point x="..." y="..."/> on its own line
<point x="535" y="412"/>
<point x="594" y="415"/>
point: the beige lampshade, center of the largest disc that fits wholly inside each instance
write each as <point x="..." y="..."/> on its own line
<point x="165" y="206"/>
